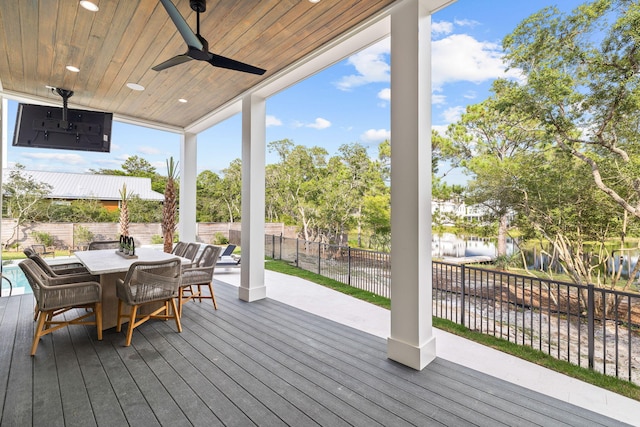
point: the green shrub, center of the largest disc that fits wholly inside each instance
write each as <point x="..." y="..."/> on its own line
<point x="43" y="238"/>
<point x="82" y="235"/>
<point x="220" y="239"/>
<point x="156" y="239"/>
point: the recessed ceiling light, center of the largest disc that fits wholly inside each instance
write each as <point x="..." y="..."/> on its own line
<point x="182" y="100"/>
<point x="89" y="5"/>
<point x="72" y="68"/>
<point x="314" y="1"/>
<point x="135" y="86"/>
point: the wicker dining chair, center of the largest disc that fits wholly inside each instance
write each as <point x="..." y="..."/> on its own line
<point x="104" y="244"/>
<point x="42" y="250"/>
<point x="149" y="282"/>
<point x="197" y="275"/>
<point x="191" y="251"/>
<point x="55" y="297"/>
<point x="179" y="248"/>
<point x="61" y="273"/>
<point x="57" y="268"/>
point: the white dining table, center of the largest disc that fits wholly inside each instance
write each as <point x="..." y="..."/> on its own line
<point x="110" y="266"/>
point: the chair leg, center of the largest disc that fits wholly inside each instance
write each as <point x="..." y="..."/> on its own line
<point x="38" y="332"/>
<point x="97" y="309"/>
<point x="119" y="324"/>
<point x="132" y="321"/>
<point x="213" y="296"/>
<point x="176" y="315"/>
<point x="180" y="296"/>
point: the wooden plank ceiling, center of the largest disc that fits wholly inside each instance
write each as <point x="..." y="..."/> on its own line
<point x="125" y="38"/>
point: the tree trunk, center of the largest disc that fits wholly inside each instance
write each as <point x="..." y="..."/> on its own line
<point x="502" y="235"/>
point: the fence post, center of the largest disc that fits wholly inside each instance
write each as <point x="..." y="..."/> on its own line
<point x="463" y="283"/>
<point x="273" y="246"/>
<point x="297" y="253"/>
<point x="319" y="258"/>
<point x="349" y="265"/>
<point x="281" y="243"/>
<point x="591" y="308"/>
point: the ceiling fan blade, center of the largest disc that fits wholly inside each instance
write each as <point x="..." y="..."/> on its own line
<point x="185" y="31"/>
<point x="176" y="60"/>
<point x="232" y="64"/>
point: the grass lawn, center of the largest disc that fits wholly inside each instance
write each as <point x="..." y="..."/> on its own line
<point x="607" y="382"/>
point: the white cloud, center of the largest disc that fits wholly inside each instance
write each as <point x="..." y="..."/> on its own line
<point x="441" y="27"/>
<point x="319" y="124"/>
<point x="460" y="57"/>
<point x="371" y="64"/>
<point x="273" y="121"/>
<point x="466" y="23"/>
<point x="69" y="159"/>
<point x="441" y="129"/>
<point x="438" y="99"/>
<point x="452" y="114"/>
<point x="161" y="166"/>
<point x="457" y="57"/>
<point x="385" y="94"/>
<point x="109" y="163"/>
<point x="375" y="135"/>
<point x="470" y="94"/>
<point x="148" y="150"/>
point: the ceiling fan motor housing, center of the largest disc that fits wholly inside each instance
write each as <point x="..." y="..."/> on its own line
<point x="198" y="5"/>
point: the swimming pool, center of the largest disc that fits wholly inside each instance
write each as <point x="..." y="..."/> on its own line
<point x="19" y="282"/>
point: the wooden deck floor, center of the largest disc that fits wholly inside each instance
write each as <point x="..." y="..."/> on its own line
<point x="261" y="363"/>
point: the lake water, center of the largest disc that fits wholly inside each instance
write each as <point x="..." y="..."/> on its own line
<point x="450" y="245"/>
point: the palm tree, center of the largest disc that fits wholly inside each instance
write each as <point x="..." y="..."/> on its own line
<point x="124" y="210"/>
<point x="170" y="206"/>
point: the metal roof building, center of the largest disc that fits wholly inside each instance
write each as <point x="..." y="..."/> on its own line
<point x="72" y="186"/>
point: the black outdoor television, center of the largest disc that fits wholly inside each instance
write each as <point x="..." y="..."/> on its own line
<point x="40" y="126"/>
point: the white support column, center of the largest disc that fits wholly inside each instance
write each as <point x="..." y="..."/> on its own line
<point x="4" y="114"/>
<point x="411" y="342"/>
<point x="188" y="167"/>
<point x="252" y="286"/>
<point x="4" y="129"/>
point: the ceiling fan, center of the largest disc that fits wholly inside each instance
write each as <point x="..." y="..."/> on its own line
<point x="197" y="46"/>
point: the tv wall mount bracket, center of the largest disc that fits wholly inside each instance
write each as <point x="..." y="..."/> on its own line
<point x="65" y="125"/>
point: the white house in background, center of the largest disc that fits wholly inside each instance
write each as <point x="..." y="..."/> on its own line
<point x="449" y="209"/>
<point x="67" y="187"/>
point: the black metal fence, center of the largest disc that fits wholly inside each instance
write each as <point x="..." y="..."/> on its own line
<point x="367" y="270"/>
<point x="587" y="326"/>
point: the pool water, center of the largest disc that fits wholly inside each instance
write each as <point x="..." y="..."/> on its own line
<point x="20" y="283"/>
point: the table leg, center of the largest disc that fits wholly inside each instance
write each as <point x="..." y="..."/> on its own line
<point x="110" y="299"/>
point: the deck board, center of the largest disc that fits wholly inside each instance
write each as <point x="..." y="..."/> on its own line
<point x="261" y="363"/>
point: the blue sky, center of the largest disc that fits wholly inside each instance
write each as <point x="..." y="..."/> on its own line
<point x="346" y="103"/>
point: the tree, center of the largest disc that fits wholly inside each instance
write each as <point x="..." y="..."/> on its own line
<point x="488" y="141"/>
<point x="208" y="204"/>
<point x="23" y="197"/>
<point x="294" y="183"/>
<point x="137" y="166"/>
<point x="229" y="190"/>
<point x="169" y="211"/>
<point x="583" y="83"/>
<point x="124" y="210"/>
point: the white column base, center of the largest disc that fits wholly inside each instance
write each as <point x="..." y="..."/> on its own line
<point x="410" y="355"/>
<point x="252" y="294"/>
